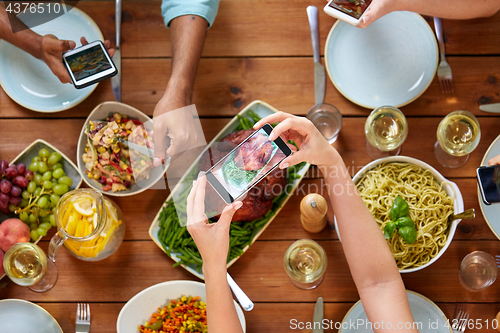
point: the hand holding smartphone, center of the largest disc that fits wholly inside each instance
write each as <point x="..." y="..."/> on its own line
<point x="350" y="11"/>
<point x="89" y="64"/>
<point x="488" y="179"/>
<point x="247" y="164"/>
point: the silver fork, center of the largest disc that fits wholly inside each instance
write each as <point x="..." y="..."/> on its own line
<point x="444" y="70"/>
<point x="83" y="318"/>
<point x="498" y="260"/>
<point x="460" y="323"/>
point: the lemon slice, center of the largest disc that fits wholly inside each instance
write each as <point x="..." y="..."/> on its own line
<point x="83" y="207"/>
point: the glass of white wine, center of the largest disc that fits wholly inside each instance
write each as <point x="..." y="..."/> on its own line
<point x="26" y="265"/>
<point x="305" y="263"/>
<point x="458" y="134"/>
<point x="386" y="129"/>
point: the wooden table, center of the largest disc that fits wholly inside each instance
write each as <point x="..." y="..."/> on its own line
<point x="259" y="49"/>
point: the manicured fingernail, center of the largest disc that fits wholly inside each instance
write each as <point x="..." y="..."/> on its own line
<point x="156" y="162"/>
<point x="256" y="125"/>
<point x="238" y="205"/>
<point x="284" y="165"/>
<point x="200" y="174"/>
<point x="365" y="19"/>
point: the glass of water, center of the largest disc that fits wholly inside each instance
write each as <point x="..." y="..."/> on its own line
<point x="478" y="270"/>
<point x="327" y="119"/>
<point x="305" y="263"/>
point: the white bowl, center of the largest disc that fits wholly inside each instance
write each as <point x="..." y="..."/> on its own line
<point x="101" y="112"/>
<point x="17" y="315"/>
<point x="458" y="204"/>
<point x="139" y="308"/>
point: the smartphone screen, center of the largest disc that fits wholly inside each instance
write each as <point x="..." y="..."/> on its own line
<point x="88" y="62"/>
<point x="489" y="183"/>
<point x="354" y="8"/>
<point x="247" y="164"/>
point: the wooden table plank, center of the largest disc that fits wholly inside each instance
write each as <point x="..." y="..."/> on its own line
<point x="350" y="144"/>
<point x="265" y="317"/>
<point x="242" y="28"/>
<point x="224" y="86"/>
<point x="259" y="272"/>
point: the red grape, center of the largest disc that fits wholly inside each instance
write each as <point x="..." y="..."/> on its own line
<point x="21" y="169"/>
<point x="15" y="200"/>
<point x="16" y="191"/>
<point x="4" y="207"/>
<point x="5" y="186"/>
<point x="21" y="181"/>
<point x="29" y="175"/>
<point x="4" y="198"/>
<point x="3" y="165"/>
<point x="10" y="172"/>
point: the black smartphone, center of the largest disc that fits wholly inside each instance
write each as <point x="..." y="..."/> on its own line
<point x="253" y="159"/>
<point x="488" y="179"/>
<point x="89" y="64"/>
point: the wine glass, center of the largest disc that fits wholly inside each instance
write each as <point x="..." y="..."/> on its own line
<point x="27" y="265"/>
<point x="458" y="134"/>
<point x="386" y="129"/>
<point x="305" y="263"/>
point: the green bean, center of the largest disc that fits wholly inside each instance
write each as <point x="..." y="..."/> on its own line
<point x="177" y="264"/>
<point x="254" y="116"/>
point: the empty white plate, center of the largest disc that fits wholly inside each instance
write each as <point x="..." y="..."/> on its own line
<point x="427" y="316"/>
<point x="20" y="316"/>
<point x="30" y="82"/>
<point x="391" y="62"/>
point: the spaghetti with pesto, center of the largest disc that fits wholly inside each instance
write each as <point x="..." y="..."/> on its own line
<point x="429" y="207"/>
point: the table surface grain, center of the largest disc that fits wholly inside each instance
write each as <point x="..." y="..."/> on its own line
<point x="259" y="49"/>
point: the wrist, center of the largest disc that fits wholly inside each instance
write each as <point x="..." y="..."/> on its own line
<point x="36" y="49"/>
<point x="179" y="89"/>
<point x="212" y="270"/>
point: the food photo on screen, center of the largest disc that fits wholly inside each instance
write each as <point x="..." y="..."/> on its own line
<point x="354" y="8"/>
<point x="88" y="62"/>
<point x="239" y="170"/>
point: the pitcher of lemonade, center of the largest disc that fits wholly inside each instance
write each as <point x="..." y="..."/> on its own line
<point x="89" y="225"/>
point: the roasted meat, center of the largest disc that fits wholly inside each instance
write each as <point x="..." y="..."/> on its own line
<point x="254" y="153"/>
<point x="258" y="201"/>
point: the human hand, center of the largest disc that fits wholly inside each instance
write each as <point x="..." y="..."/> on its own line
<point x="53" y="50"/>
<point x="212" y="239"/>
<point x="377" y="9"/>
<point x="174" y="128"/>
<point x="313" y="147"/>
<point x="494" y="161"/>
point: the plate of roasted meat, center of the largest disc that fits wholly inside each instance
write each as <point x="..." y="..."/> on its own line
<point x="260" y="206"/>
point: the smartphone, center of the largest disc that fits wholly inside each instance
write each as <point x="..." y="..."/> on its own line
<point x="89" y="64"/>
<point x="350" y="11"/>
<point x="247" y="164"/>
<point x="488" y="179"/>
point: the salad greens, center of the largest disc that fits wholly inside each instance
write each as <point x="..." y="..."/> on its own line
<point x="237" y="175"/>
<point x="401" y="221"/>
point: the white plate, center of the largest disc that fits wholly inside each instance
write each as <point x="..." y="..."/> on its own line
<point x="262" y="109"/>
<point x="423" y="309"/>
<point x="392" y="62"/>
<point x="458" y="205"/>
<point x="139" y="308"/>
<point x="491" y="213"/>
<point x="101" y="112"/>
<point x="30" y="82"/>
<point x="20" y="316"/>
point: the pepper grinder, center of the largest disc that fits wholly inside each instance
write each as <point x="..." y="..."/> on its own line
<point x="313" y="210"/>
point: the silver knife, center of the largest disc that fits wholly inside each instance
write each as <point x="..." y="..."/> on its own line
<point x="319" y="69"/>
<point x="116" y="81"/>
<point x="493" y="108"/>
<point x="318" y="316"/>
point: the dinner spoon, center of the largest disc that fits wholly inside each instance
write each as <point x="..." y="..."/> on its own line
<point x="245" y="302"/>
<point x="466" y="215"/>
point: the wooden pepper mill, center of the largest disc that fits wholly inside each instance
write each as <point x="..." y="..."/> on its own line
<point x="313" y="212"/>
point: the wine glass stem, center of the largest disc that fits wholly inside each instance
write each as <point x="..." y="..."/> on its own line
<point x="49" y="279"/>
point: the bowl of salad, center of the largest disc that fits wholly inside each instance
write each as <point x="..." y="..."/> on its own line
<point x="108" y="154"/>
